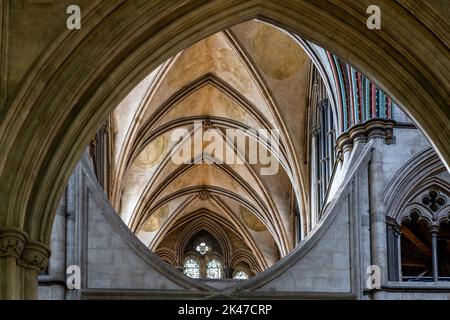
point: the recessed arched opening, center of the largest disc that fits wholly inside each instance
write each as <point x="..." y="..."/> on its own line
<point x="34" y="197"/>
<point x="208" y="140"/>
<point x="252" y="77"/>
<point x="416" y="264"/>
<point x="423" y="250"/>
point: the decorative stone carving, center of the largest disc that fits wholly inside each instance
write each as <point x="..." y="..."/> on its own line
<point x="104" y="128"/>
<point x="204" y="195"/>
<point x="374" y="128"/>
<point x="315" y="130"/>
<point x="35" y="256"/>
<point x="402" y="195"/>
<point x="393" y="226"/>
<point x="434" y="200"/>
<point x="12" y="242"/>
<point x="207" y="124"/>
<point x="340" y="155"/>
<point x="434" y="229"/>
<point x="316" y="86"/>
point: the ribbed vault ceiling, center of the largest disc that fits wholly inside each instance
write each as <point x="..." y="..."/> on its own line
<point x="250" y="76"/>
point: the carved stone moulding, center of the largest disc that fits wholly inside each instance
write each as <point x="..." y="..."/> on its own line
<point x="434" y="200"/>
<point x="35" y="255"/>
<point x="204" y="195"/>
<point x="31" y="254"/>
<point x="207" y="124"/>
<point x="12" y="242"/>
<point x="373" y="128"/>
<point x="393" y="225"/>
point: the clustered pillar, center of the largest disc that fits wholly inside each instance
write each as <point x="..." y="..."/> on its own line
<point x="21" y="261"/>
<point x="394" y="246"/>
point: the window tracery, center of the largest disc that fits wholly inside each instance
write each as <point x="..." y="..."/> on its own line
<point x="419" y="239"/>
<point x="323" y="143"/>
<point x="214" y="269"/>
<point x="241" y="275"/>
<point x="192" y="268"/>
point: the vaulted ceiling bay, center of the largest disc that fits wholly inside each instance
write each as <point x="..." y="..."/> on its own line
<point x="253" y="76"/>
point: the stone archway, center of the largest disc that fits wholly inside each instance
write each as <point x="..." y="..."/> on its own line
<point x="84" y="74"/>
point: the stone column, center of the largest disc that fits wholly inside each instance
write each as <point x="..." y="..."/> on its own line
<point x="399" y="252"/>
<point x="228" y="273"/>
<point x="393" y="248"/>
<point x="377" y="213"/>
<point x="316" y="189"/>
<point x="12" y="243"/>
<point x="434" y="231"/>
<point x="34" y="259"/>
<point x="20" y="263"/>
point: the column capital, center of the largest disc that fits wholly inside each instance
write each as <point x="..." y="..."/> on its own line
<point x="12" y="242"/>
<point x="393" y="225"/>
<point x="35" y="255"/>
<point x="433" y="229"/>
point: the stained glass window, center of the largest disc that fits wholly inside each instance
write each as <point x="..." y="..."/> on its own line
<point x="214" y="269"/>
<point x="192" y="268"/>
<point x="240" y="275"/>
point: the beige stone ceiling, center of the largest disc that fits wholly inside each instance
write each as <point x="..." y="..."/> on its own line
<point x="250" y="76"/>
